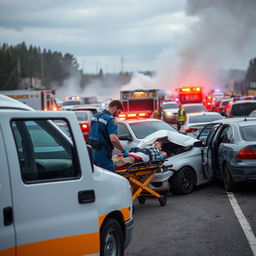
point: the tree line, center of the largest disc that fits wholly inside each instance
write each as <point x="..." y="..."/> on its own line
<point x="22" y="61"/>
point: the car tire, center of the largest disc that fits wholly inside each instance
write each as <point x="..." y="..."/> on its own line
<point x="183" y="181"/>
<point x="111" y="239"/>
<point x="229" y="184"/>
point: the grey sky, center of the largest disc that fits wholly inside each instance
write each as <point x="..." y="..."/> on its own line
<point x="145" y="33"/>
<point x="96" y="31"/>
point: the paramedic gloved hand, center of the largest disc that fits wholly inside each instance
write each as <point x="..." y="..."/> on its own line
<point x="159" y="157"/>
<point x="125" y="153"/>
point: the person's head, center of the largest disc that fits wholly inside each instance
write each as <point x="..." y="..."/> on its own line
<point x="115" y="107"/>
<point x="158" y="144"/>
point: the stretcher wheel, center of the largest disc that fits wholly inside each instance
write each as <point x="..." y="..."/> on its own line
<point x="163" y="200"/>
<point x="142" y="199"/>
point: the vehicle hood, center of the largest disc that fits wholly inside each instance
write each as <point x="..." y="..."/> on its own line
<point x="174" y="137"/>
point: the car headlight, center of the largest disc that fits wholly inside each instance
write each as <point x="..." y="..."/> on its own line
<point x="169" y="113"/>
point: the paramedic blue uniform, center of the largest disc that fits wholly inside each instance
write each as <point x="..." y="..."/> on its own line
<point x="108" y="125"/>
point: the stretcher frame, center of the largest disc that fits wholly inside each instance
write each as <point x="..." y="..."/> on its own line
<point x="141" y="190"/>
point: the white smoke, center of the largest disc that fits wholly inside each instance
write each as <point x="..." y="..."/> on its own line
<point x="222" y="36"/>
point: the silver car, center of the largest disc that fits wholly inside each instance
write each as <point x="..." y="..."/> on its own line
<point x="196" y="121"/>
<point x="229" y="151"/>
<point x="170" y="111"/>
<point x="185" y="159"/>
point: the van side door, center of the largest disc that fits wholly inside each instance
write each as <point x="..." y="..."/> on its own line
<point x="53" y="190"/>
<point x="7" y="235"/>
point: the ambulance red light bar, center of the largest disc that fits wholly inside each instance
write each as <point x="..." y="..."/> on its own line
<point x="185" y="89"/>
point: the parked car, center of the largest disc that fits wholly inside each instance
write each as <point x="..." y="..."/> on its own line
<point x="170" y="111"/>
<point x="186" y="159"/>
<point x="52" y="194"/>
<point x="222" y="106"/>
<point x="229" y="151"/>
<point x="84" y="118"/>
<point x="194" y="108"/>
<point x="240" y="108"/>
<point x="93" y="108"/>
<point x="196" y="121"/>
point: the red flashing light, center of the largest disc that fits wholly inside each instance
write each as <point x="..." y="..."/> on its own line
<point x="84" y="127"/>
<point x="45" y="109"/>
<point x="188" y="130"/>
<point x="246" y="153"/>
<point x="142" y="114"/>
<point x="131" y="115"/>
<point x="122" y="116"/>
<point x="185" y="89"/>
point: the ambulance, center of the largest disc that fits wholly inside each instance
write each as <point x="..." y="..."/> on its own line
<point x="53" y="200"/>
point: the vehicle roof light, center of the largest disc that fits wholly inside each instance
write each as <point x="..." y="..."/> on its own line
<point x="122" y="115"/>
<point x="131" y="115"/>
<point x="185" y="89"/>
<point x="142" y="114"/>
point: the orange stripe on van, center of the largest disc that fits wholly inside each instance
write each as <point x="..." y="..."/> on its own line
<point x="8" y="252"/>
<point x="125" y="213"/>
<point x="65" y="246"/>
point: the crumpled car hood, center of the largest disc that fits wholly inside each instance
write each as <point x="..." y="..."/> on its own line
<point x="174" y="137"/>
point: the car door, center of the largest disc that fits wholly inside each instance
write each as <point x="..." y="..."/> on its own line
<point x="49" y="179"/>
<point x="7" y="234"/>
<point x="207" y="134"/>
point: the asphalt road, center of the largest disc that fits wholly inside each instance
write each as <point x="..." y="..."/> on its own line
<point x="201" y="223"/>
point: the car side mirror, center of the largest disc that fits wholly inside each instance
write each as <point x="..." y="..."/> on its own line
<point x="125" y="137"/>
<point x="90" y="152"/>
<point x="199" y="144"/>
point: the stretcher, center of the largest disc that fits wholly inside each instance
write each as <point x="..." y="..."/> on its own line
<point x="140" y="175"/>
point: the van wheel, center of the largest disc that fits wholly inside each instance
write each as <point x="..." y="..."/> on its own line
<point x="183" y="181"/>
<point x="229" y="184"/>
<point x="111" y="239"/>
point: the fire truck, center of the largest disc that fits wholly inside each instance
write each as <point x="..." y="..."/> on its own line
<point x="141" y="102"/>
<point x="191" y="94"/>
<point x="36" y="99"/>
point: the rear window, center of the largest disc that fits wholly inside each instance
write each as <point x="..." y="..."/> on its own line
<point x="204" y="118"/>
<point x="249" y="132"/>
<point x="194" y="108"/>
<point x="81" y="116"/>
<point x="70" y="103"/>
<point x="243" y="109"/>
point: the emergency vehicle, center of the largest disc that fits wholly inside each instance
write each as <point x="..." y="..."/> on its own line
<point x="141" y="103"/>
<point x="191" y="94"/>
<point x="36" y="99"/>
<point x="54" y="201"/>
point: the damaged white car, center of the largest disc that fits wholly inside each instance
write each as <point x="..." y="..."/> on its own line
<point x="186" y="161"/>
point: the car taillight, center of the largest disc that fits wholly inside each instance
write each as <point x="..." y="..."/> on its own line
<point x="188" y="130"/>
<point x="246" y="153"/>
<point x="84" y="127"/>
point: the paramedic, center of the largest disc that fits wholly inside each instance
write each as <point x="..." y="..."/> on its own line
<point x="181" y="117"/>
<point x="103" y="135"/>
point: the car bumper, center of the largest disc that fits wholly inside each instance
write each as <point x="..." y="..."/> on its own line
<point x="128" y="228"/>
<point x="240" y="174"/>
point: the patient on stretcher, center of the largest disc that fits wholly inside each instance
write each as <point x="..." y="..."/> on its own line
<point x="148" y="153"/>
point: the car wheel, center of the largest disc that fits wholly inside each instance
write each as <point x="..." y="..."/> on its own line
<point x="183" y="181"/>
<point x="229" y="184"/>
<point x="111" y="239"/>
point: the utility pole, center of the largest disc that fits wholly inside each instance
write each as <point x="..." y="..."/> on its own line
<point x="42" y="70"/>
<point x="122" y="65"/>
<point x="18" y="71"/>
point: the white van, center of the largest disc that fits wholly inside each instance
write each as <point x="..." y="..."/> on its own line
<point x="53" y="200"/>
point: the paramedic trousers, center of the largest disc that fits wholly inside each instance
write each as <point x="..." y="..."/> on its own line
<point x="103" y="158"/>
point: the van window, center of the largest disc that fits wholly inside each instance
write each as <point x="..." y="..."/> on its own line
<point x="44" y="153"/>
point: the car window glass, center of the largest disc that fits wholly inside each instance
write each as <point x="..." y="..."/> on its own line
<point x="204" y="118"/>
<point x="45" y="154"/>
<point x="243" y="109"/>
<point x="82" y="115"/>
<point x="144" y="128"/>
<point x="170" y="105"/>
<point x="194" y="108"/>
<point x="122" y="129"/>
<point x="205" y="131"/>
<point x="249" y="132"/>
<point x="226" y="135"/>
